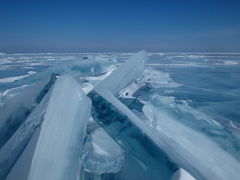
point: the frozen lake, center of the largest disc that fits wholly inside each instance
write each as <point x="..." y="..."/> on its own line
<point x="198" y="91"/>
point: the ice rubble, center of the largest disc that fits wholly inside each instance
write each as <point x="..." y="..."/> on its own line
<point x="62" y="133"/>
<point x="87" y="73"/>
<point x="76" y="68"/>
<point x="101" y="154"/>
<point x="187" y="147"/>
<point x="156" y="149"/>
<point x="123" y="125"/>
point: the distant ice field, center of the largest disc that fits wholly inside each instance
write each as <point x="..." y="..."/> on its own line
<point x="209" y="82"/>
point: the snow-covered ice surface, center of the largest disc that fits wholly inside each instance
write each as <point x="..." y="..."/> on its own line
<point x="198" y="91"/>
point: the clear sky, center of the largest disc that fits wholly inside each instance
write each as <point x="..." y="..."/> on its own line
<point x="119" y="25"/>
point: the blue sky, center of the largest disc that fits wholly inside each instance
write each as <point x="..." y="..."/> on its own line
<point x="119" y="26"/>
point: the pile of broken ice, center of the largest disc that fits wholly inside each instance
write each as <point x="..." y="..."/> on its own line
<point x="77" y="130"/>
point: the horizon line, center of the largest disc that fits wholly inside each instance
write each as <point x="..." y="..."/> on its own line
<point x="163" y="52"/>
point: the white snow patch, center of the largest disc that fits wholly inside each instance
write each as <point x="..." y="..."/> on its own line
<point x="15" y="78"/>
<point x="229" y="62"/>
<point x="12" y="91"/>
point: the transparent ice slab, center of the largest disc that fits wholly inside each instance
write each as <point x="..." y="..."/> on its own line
<point x="132" y="134"/>
<point x="124" y="75"/>
<point x="15" y="111"/>
<point x="123" y="125"/>
<point x="59" y="146"/>
<point x="191" y="150"/>
<point x="199" y="121"/>
<point x="13" y="148"/>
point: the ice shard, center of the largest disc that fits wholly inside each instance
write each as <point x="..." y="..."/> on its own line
<point x="101" y="154"/>
<point x="22" y="166"/>
<point x="132" y="134"/>
<point x="123" y="125"/>
<point x="1" y="95"/>
<point x="59" y="146"/>
<point x="15" y="111"/>
<point x="124" y="75"/>
<point x="191" y="150"/>
<point x="200" y="122"/>
<point x="181" y="174"/>
<point x="13" y="148"/>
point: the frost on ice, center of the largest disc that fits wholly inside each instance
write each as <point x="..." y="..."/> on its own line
<point x="62" y="133"/>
